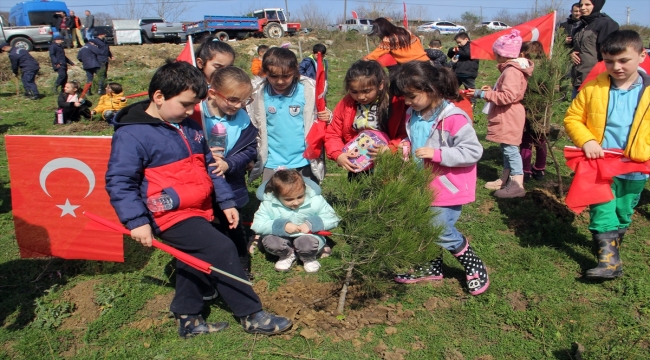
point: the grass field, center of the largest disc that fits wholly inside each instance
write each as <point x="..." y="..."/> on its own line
<point x="538" y="305"/>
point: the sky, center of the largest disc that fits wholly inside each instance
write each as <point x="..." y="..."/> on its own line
<point x="432" y="9"/>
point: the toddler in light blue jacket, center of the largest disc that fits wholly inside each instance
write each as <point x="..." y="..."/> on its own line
<point x="291" y="213"/>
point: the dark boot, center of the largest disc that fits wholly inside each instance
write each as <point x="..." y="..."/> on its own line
<point x="621" y="235"/>
<point x="190" y="325"/>
<point x="262" y="322"/>
<point x="422" y="273"/>
<point x="475" y="271"/>
<point x="609" y="260"/>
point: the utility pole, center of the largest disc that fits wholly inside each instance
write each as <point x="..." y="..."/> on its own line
<point x="535" y="8"/>
<point x="345" y="10"/>
<point x="481" y="13"/>
<point x="286" y="9"/>
<point x="628" y="15"/>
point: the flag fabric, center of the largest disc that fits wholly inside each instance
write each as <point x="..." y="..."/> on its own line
<point x="355" y="15"/>
<point x="600" y="68"/>
<point x="541" y="29"/>
<point x="316" y="135"/>
<point x="593" y="178"/>
<point x="53" y="180"/>
<point x="405" y="21"/>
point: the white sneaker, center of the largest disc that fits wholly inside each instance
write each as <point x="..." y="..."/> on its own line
<point x="311" y="266"/>
<point x="284" y="264"/>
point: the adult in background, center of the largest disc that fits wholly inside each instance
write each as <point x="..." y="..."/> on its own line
<point x="396" y="41"/>
<point x="89" y="24"/>
<point x="74" y="25"/>
<point x="593" y="30"/>
<point x="571" y="24"/>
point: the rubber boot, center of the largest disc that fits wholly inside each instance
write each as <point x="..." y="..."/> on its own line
<point x="514" y="188"/>
<point x="423" y="273"/>
<point x="499" y="183"/>
<point x="621" y="235"/>
<point x="609" y="259"/>
<point x="475" y="271"/>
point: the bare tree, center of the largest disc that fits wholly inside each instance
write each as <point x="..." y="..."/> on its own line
<point x="310" y="15"/>
<point x="130" y="9"/>
<point x="377" y="9"/>
<point x="418" y="13"/>
<point x="103" y="18"/>
<point x="248" y="10"/>
<point x="169" y="10"/>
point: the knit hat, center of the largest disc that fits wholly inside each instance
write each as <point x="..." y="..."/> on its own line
<point x="58" y="37"/>
<point x="508" y="46"/>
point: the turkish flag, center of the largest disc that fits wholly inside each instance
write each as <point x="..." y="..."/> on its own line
<point x="355" y="15"/>
<point x="600" y="68"/>
<point x="53" y="180"/>
<point x="316" y="135"/>
<point x="541" y="29"/>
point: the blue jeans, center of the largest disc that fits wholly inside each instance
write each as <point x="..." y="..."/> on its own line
<point x="574" y="93"/>
<point x="512" y="159"/>
<point x="446" y="217"/>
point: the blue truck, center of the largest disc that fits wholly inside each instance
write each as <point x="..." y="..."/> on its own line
<point x="34" y="13"/>
<point x="270" y="23"/>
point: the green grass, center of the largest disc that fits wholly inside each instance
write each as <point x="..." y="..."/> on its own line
<point x="535" y="250"/>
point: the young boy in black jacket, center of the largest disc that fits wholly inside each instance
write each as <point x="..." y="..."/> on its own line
<point x="23" y="60"/>
<point x="59" y="63"/>
<point x="465" y="68"/>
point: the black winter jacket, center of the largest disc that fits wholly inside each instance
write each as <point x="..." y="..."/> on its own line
<point x="465" y="67"/>
<point x="23" y="60"/>
<point x="58" y="58"/>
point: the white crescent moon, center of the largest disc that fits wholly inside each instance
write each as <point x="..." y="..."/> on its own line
<point x="535" y="33"/>
<point x="67" y="163"/>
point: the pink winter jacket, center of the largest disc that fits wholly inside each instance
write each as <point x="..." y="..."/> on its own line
<point x="506" y="115"/>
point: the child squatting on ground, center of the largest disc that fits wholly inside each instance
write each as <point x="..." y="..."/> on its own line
<point x="71" y="106"/>
<point x="111" y="102"/>
<point x="291" y="212"/>
<point x="506" y="115"/>
<point x="442" y="138"/>
<point x="613" y="112"/>
<point x="157" y="150"/>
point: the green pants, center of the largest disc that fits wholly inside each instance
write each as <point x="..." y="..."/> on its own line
<point x="616" y="214"/>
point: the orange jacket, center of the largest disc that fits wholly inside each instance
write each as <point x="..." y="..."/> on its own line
<point x="256" y="67"/>
<point x="402" y="55"/>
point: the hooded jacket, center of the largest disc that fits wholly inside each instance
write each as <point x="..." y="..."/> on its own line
<point x="414" y="52"/>
<point x="465" y="67"/>
<point x="23" y="60"/>
<point x="88" y="55"/>
<point x="149" y="157"/>
<point x="570" y="25"/>
<point x="456" y="152"/>
<point x="58" y="58"/>
<point x="105" y="50"/>
<point x="438" y="57"/>
<point x="590" y="34"/>
<point x="308" y="65"/>
<point x="506" y="115"/>
<point x="111" y="102"/>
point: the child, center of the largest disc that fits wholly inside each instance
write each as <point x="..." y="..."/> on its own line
<point x="396" y="41"/>
<point x="308" y="65"/>
<point x="103" y="58"/>
<point x="442" y="137"/>
<point x="288" y="216"/>
<point x="229" y="93"/>
<point x="88" y="55"/>
<point x="170" y="157"/>
<point x="367" y="106"/>
<point x="534" y="135"/>
<point x="435" y="54"/>
<point x="59" y="63"/>
<point x="465" y="68"/>
<point x="68" y="101"/>
<point x="283" y="111"/>
<point x="610" y="113"/>
<point x="110" y="103"/>
<point x="23" y="60"/>
<point x="506" y="115"/>
<point x="256" y="65"/>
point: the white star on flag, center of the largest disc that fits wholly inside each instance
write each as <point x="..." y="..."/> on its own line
<point x="67" y="208"/>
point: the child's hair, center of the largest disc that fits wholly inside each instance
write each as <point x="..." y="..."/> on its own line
<point x="117" y="88"/>
<point x="284" y="181"/>
<point x="262" y="48"/>
<point x="319" y="48"/>
<point x="175" y="77"/>
<point x="435" y="43"/>
<point x="370" y="73"/>
<point x="280" y="57"/>
<point x="397" y="36"/>
<point x="532" y="50"/>
<point x="75" y="84"/>
<point x="423" y="76"/>
<point x="229" y="76"/>
<point x="211" y="46"/>
<point x="462" y="36"/>
<point x="618" y="41"/>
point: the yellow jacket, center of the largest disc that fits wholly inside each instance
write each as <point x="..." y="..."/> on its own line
<point x="111" y="102"/>
<point x="587" y="117"/>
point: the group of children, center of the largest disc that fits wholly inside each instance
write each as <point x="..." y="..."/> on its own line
<point x="162" y="147"/>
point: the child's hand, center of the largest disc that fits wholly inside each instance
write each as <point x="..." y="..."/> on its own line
<point x="424" y="153"/>
<point x="93" y="112"/>
<point x="77" y="104"/>
<point x="373" y="151"/>
<point x="486" y="88"/>
<point x="123" y="98"/>
<point x="220" y="165"/>
<point x="568" y="40"/>
<point x="291" y="228"/>
<point x="593" y="150"/>
<point x="233" y="217"/>
<point x="469" y="93"/>
<point x="325" y="115"/>
<point x="344" y="161"/>
<point x="575" y="57"/>
<point x="217" y="152"/>
<point x="143" y="234"/>
<point x="303" y="228"/>
<point x="454" y="59"/>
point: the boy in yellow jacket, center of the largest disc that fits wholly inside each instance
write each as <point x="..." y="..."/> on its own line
<point x="613" y="112"/>
<point x="110" y="103"/>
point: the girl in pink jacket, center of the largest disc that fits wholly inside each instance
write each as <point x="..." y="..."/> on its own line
<point x="442" y="137"/>
<point x="506" y="115"/>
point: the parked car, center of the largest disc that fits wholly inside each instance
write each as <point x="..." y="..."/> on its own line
<point x="157" y="29"/>
<point x="440" y="27"/>
<point x="362" y="26"/>
<point x="110" y="35"/>
<point x="494" y="25"/>
<point x="26" y="37"/>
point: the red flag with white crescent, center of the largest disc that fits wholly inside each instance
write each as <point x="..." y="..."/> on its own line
<point x="541" y="29"/>
<point x="53" y="180"/>
<point x="406" y="20"/>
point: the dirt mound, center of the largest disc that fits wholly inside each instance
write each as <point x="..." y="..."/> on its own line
<point x="85" y="309"/>
<point x="154" y="312"/>
<point x="312" y="306"/>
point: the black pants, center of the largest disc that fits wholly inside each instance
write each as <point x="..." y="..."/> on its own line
<point x="237" y="235"/>
<point x="29" y="82"/>
<point x="102" y="73"/>
<point x="468" y="83"/>
<point x="62" y="77"/>
<point x="197" y="237"/>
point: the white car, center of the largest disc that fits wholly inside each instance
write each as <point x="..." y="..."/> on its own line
<point x="441" y="27"/>
<point x="495" y="25"/>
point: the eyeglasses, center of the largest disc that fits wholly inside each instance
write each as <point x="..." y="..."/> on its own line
<point x="236" y="101"/>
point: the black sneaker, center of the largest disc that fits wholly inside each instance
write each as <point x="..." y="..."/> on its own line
<point x="528" y="177"/>
<point x="262" y="322"/>
<point x="191" y="325"/>
<point x="538" y="174"/>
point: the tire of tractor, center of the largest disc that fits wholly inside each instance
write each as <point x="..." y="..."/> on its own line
<point x="273" y="31"/>
<point x="222" y="36"/>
